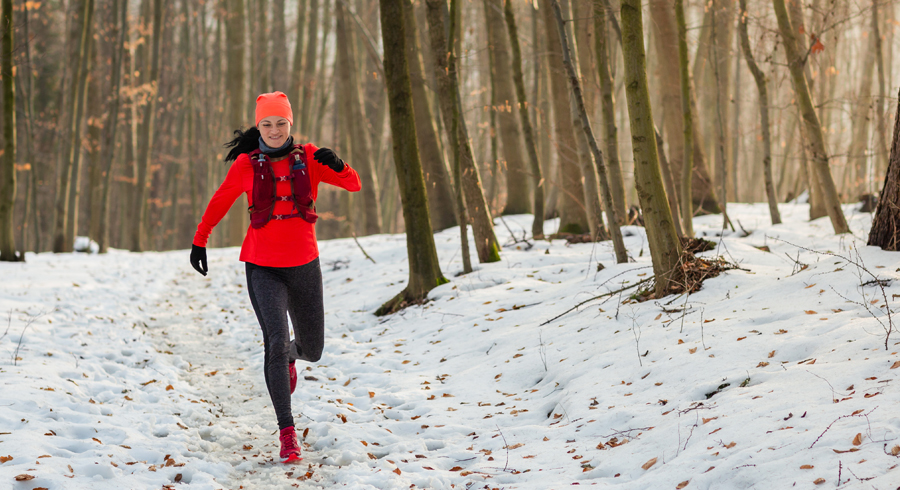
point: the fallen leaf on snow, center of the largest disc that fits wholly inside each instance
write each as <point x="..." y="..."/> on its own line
<point x="682" y="484"/>
<point x="771" y="354"/>
<point x="4" y="459"/>
<point x="810" y="312"/>
<point x="24" y="477"/>
<point x="819" y="481"/>
<point x="731" y="445"/>
<point x="807" y="467"/>
<point x="693" y="350"/>
<point x="895" y="450"/>
<point x="857" y="440"/>
<point x="762" y="364"/>
<point x="649" y="464"/>
<point x="896" y="365"/>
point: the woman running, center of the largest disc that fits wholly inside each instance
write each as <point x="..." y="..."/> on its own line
<point x="280" y="252"/>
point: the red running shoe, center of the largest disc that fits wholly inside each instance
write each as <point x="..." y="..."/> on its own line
<point x="290" y="448"/>
<point x="292" y="370"/>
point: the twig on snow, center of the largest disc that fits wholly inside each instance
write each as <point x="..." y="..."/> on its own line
<point x="361" y="248"/>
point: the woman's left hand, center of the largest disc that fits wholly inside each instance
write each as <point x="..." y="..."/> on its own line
<point x="328" y="157"/>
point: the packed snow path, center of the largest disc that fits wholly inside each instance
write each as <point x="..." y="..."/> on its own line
<point x="133" y="371"/>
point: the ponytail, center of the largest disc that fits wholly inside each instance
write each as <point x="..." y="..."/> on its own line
<point x="243" y="142"/>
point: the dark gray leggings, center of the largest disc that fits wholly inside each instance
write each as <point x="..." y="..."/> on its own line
<point x="275" y="293"/>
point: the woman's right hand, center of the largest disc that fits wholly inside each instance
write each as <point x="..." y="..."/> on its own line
<point x="198" y="259"/>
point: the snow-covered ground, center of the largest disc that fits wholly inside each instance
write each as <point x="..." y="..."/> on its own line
<point x="133" y="371"/>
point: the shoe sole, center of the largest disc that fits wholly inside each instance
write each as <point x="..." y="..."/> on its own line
<point x="294" y="458"/>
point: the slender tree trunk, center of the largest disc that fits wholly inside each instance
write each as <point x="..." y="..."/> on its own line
<point x="608" y="108"/>
<point x="95" y="108"/>
<point x="29" y="76"/>
<point x="761" y="87"/>
<point x="613" y="219"/>
<point x="885" y="231"/>
<point x="517" y="196"/>
<point x="720" y="70"/>
<point x="665" y="248"/>
<point x="687" y="135"/>
<point x="360" y="148"/>
<point x="309" y="69"/>
<point x="140" y="221"/>
<point x="814" y="134"/>
<point x="537" y="180"/>
<point x="437" y="175"/>
<point x="119" y="17"/>
<point x="467" y="176"/>
<point x="664" y="26"/>
<point x="668" y="183"/>
<point x="424" y="269"/>
<point x="881" y="147"/>
<point x="859" y="124"/>
<point x="735" y="121"/>
<point x="8" y="159"/>
<point x="278" y="71"/>
<point x="297" y="75"/>
<point x="572" y="209"/>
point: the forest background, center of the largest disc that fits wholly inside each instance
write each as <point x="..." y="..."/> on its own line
<point x="122" y="108"/>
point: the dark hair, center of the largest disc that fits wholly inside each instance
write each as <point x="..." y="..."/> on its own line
<point x="243" y="142"/>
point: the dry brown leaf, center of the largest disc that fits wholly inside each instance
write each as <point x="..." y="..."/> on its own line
<point x="397" y="470"/>
<point x="528" y="457"/>
<point x="693" y="350"/>
<point x="771" y="354"/>
<point x="682" y="484"/>
<point x="4" y="459"/>
<point x="169" y="387"/>
<point x="456" y="468"/>
<point x="247" y="447"/>
<point x="658" y="317"/>
<point x="741" y="338"/>
<point x="819" y="481"/>
<point x="851" y="450"/>
<point x="896" y="365"/>
<point x="762" y="364"/>
<point x="706" y="421"/>
<point x="516" y="446"/>
<point x="649" y="464"/>
<point x="680" y="341"/>
<point x="810" y="312"/>
<point x="24" y="477"/>
<point x="731" y="445"/>
<point x="807" y="467"/>
<point x="857" y="440"/>
<point x="895" y="450"/>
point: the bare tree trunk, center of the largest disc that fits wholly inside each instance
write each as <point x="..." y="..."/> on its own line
<point x="687" y="141"/>
<point x="145" y="140"/>
<point x="309" y="70"/>
<point x="761" y="87"/>
<point x="573" y="212"/>
<point x="881" y="147"/>
<point x="424" y="269"/>
<point x="608" y="108"/>
<point x="468" y="179"/>
<point x="814" y="133"/>
<point x="735" y="122"/>
<point x="859" y="124"/>
<point x="614" y="220"/>
<point x="437" y="177"/>
<point x="29" y="137"/>
<point x="537" y="225"/>
<point x="517" y="196"/>
<point x="885" y="231"/>
<point x="8" y="159"/>
<point x="297" y="75"/>
<point x="119" y="16"/>
<point x="278" y="71"/>
<point x="358" y="134"/>
<point x="665" y="248"/>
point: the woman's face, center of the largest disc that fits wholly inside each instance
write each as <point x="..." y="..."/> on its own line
<point x="274" y="130"/>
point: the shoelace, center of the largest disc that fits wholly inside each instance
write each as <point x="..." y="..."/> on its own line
<point x="289" y="442"/>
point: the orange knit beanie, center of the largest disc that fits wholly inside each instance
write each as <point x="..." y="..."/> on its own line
<point x="273" y="104"/>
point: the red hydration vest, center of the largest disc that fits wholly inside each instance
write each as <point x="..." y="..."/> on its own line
<point x="264" y="189"/>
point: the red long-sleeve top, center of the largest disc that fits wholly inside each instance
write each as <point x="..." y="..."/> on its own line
<point x="280" y="243"/>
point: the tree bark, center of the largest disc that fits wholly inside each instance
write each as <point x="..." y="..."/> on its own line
<point x="761" y="87"/>
<point x="309" y="70"/>
<point x="29" y="76"/>
<point x="278" y="70"/>
<point x="297" y="75"/>
<point x="448" y="89"/>
<point x="885" y="231"/>
<point x="360" y="147"/>
<point x="518" y="200"/>
<point x="145" y="139"/>
<point x="119" y="16"/>
<point x="613" y="219"/>
<point x="573" y="212"/>
<point x="537" y="180"/>
<point x="859" y="124"/>
<point x="814" y="134"/>
<point x="608" y="108"/>
<point x="424" y="269"/>
<point x="665" y="248"/>
<point x="8" y="159"/>
<point x="881" y="148"/>
<point x="687" y="122"/>
<point x="437" y="176"/>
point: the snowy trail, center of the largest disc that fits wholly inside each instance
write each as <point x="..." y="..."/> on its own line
<point x="142" y="374"/>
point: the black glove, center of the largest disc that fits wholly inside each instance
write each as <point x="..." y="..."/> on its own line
<point x="198" y="259"/>
<point x="327" y="156"/>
